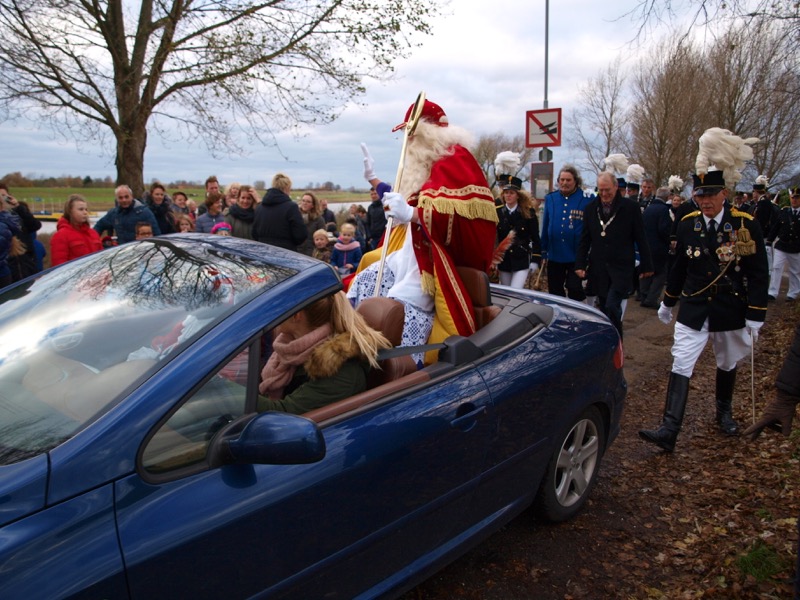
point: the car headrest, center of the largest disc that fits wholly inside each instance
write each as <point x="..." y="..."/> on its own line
<point x="477" y="284"/>
<point x="384" y="315"/>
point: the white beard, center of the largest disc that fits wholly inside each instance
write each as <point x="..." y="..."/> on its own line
<point x="428" y="144"/>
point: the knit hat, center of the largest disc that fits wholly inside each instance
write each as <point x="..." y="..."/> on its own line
<point x="219" y="226"/>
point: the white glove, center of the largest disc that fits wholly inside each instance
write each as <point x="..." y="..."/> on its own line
<point x="397" y="208"/>
<point x="369" y="164"/>
<point x="665" y="314"/>
<point x="534" y="267"/>
<point x="752" y="328"/>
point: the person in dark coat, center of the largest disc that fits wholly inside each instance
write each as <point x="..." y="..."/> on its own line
<point x="525" y="252"/>
<point x="784" y="237"/>
<point x="122" y="219"/>
<point x="24" y="264"/>
<point x="278" y="220"/>
<point x="612" y="230"/>
<point x="376" y="216"/>
<point x="718" y="250"/>
<point x="161" y="206"/>
<point x="657" y="227"/>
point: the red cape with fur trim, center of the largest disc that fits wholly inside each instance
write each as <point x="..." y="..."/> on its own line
<point x="457" y="227"/>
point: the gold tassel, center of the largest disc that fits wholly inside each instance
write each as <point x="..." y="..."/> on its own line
<point x="745" y="245"/>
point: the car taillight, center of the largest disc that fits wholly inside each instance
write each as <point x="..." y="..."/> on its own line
<point x="619" y="356"/>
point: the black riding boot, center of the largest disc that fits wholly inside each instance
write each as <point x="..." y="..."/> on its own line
<point x="667" y="433"/>
<point x="725" y="383"/>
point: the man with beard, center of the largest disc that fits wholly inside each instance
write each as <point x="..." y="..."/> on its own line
<point x="446" y="218"/>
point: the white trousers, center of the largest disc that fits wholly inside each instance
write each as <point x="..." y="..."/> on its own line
<point x="514" y="279"/>
<point x="729" y="347"/>
<point x="779" y="260"/>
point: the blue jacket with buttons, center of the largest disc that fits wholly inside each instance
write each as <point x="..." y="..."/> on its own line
<point x="562" y="225"/>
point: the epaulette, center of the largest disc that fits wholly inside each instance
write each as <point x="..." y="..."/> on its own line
<point x="691" y="215"/>
<point x="738" y="213"/>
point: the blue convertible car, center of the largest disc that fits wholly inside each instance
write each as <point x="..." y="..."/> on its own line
<point x="133" y="462"/>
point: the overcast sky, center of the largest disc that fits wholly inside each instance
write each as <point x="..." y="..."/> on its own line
<point x="484" y="65"/>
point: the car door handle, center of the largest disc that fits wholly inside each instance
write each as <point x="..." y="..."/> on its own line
<point x="466" y="420"/>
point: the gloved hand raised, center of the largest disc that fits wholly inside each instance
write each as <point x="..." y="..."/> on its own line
<point x="752" y="328"/>
<point x="369" y="164"/>
<point x="396" y="207"/>
<point x="533" y="267"/>
<point x="778" y="413"/>
<point x="665" y="314"/>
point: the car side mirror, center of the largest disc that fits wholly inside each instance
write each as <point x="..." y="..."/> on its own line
<point x="274" y="438"/>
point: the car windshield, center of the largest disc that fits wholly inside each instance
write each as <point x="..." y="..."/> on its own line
<point x="76" y="340"/>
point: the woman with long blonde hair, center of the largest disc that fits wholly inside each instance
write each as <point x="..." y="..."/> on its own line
<point x="321" y="354"/>
<point x="74" y="236"/>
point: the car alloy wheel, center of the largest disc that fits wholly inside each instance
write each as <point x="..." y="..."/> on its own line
<point x="572" y="471"/>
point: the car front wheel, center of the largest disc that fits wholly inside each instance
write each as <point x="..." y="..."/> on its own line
<point x="572" y="471"/>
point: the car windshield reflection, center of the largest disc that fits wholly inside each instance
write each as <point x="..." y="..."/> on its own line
<point x="75" y="340"/>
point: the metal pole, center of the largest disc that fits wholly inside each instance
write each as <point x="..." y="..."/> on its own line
<point x="546" y="46"/>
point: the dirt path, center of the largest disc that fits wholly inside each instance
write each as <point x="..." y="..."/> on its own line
<point x="658" y="525"/>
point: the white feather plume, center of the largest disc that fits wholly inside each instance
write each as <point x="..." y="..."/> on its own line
<point x="762" y="180"/>
<point x="507" y="163"/>
<point x="616" y="163"/>
<point x="727" y="151"/>
<point x="675" y="183"/>
<point x="635" y="173"/>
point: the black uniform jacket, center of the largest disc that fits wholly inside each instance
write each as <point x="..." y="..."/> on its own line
<point x="610" y="259"/>
<point x="787" y="230"/>
<point x="527" y="247"/>
<point x="727" y="300"/>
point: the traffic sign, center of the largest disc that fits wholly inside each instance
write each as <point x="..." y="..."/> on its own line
<point x="543" y="127"/>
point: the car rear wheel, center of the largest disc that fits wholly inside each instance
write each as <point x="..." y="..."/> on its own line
<point x="572" y="471"/>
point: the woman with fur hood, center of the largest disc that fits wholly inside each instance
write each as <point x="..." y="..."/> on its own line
<point x="320" y="355"/>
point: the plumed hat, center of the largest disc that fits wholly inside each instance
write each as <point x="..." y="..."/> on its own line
<point x="761" y="183"/>
<point x="635" y="174"/>
<point x="507" y="163"/>
<point x="616" y="163"/>
<point x="723" y="151"/>
<point x="675" y="184"/>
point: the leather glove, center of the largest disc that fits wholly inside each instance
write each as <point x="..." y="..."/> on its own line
<point x="665" y="314"/>
<point x="369" y="164"/>
<point x="396" y="207"/>
<point x="534" y="267"/>
<point x="778" y="415"/>
<point x="752" y="328"/>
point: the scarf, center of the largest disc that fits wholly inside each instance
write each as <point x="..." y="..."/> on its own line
<point x="242" y="214"/>
<point x="346" y="247"/>
<point x="287" y="354"/>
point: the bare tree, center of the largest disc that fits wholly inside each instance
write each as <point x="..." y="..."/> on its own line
<point x="107" y="71"/>
<point x="600" y="124"/>
<point x="490" y="145"/>
<point x="753" y="68"/>
<point x="664" y="118"/>
<point x="708" y="13"/>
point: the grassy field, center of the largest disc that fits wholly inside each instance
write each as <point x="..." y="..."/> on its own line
<point x="100" y="199"/>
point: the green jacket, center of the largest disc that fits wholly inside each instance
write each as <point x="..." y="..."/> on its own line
<point x="334" y="371"/>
